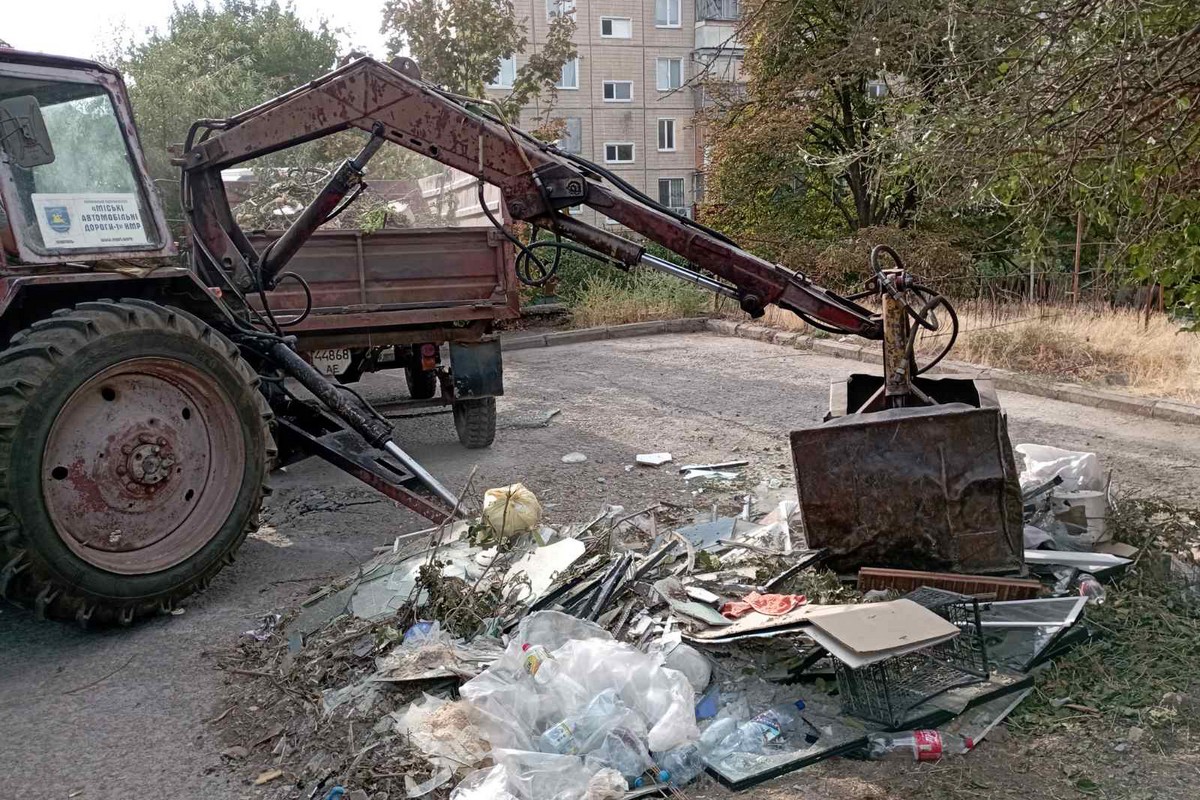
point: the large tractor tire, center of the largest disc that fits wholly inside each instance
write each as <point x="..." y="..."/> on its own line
<point x="134" y="446"/>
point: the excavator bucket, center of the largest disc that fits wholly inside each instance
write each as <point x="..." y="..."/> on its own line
<point x="930" y="487"/>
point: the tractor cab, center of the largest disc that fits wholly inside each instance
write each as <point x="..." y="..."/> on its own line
<point x="73" y="181"/>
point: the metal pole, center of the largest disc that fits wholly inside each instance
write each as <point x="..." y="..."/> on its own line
<point x="662" y="265"/>
<point x="1078" y="248"/>
<point x="413" y="466"/>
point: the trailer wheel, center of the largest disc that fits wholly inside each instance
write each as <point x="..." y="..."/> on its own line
<point x="475" y="421"/>
<point x="134" y="444"/>
<point x="422" y="383"/>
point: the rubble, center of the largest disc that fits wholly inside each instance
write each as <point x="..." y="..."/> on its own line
<point x="507" y="655"/>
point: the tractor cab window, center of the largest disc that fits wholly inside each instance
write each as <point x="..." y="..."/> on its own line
<point x="74" y="180"/>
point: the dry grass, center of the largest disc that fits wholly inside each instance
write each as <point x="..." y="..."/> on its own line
<point x="1100" y="346"/>
<point x="1095" y="345"/>
<point x="636" y="297"/>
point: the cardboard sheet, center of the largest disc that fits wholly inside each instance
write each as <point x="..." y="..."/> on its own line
<point x="755" y="623"/>
<point x="863" y="634"/>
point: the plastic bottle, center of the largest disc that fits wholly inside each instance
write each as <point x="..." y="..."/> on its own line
<point x="1092" y="589"/>
<point x="712" y="741"/>
<point x="757" y="733"/>
<point x="780" y="721"/>
<point x="624" y="751"/>
<point x="680" y="766"/>
<point x="567" y="737"/>
<point x="535" y="657"/>
<point x="924" y="745"/>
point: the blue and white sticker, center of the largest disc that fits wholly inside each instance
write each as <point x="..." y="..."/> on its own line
<point x="89" y="221"/>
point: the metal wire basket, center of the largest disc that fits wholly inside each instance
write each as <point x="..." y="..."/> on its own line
<point x="888" y="690"/>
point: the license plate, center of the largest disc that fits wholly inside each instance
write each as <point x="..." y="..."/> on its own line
<point x="332" y="362"/>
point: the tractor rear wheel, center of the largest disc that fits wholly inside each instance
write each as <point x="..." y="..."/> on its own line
<point x="134" y="445"/>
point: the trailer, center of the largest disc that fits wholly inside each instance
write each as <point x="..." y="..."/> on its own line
<point x="411" y="299"/>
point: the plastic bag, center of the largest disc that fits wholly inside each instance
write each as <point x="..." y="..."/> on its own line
<point x="584" y="733"/>
<point x="689" y="661"/>
<point x="522" y="775"/>
<point x="514" y="709"/>
<point x="510" y="510"/>
<point x="444" y="731"/>
<point x="1080" y="471"/>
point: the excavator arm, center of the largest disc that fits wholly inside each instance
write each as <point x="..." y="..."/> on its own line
<point x="538" y="183"/>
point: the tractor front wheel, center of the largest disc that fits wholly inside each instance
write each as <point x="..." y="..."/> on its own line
<point x="134" y="446"/>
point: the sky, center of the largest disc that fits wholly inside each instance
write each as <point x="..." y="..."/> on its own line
<point x="86" y="28"/>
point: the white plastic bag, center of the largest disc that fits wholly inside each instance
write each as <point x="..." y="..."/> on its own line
<point x="523" y="775"/>
<point x="510" y="510"/>
<point x="515" y="708"/>
<point x="1080" y="471"/>
<point x="444" y="732"/>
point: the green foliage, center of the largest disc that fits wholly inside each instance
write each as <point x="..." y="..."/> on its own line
<point x="1148" y="631"/>
<point x="213" y="61"/>
<point x="614" y="298"/>
<point x="1003" y="119"/>
<point x="459" y="45"/>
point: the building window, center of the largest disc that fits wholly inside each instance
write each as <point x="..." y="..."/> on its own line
<point x="618" y="152"/>
<point x="504" y="78"/>
<point x="666" y="135"/>
<point x="569" y="79"/>
<point x="670" y="74"/>
<point x="666" y="13"/>
<point x="618" y="91"/>
<point x="670" y="194"/>
<point x="616" y="28"/>
<point x="717" y="9"/>
<point x="571" y="140"/>
<point x="559" y="8"/>
<point x="575" y="211"/>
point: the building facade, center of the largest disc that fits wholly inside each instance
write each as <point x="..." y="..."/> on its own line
<point x="629" y="100"/>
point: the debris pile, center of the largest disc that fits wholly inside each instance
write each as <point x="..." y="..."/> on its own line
<point x="635" y="653"/>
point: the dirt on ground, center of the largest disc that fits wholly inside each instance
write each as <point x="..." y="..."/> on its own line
<point x="127" y="712"/>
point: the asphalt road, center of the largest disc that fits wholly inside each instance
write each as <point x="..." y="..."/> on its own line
<point x="121" y="713"/>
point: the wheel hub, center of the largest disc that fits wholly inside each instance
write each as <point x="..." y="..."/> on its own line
<point x="149" y="463"/>
<point x="143" y="464"/>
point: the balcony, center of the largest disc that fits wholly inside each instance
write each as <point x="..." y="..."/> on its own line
<point x="718" y="10"/>
<point x="716" y="44"/>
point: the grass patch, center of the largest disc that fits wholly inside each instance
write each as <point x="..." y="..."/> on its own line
<point x="636" y="296"/>
<point x="1141" y="668"/>
<point x="1097" y="345"/>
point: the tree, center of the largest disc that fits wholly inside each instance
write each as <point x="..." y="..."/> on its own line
<point x="459" y="45"/>
<point x="1010" y="116"/>
<point x="814" y="148"/>
<point x="213" y="61"/>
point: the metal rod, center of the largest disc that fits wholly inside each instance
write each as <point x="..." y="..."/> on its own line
<point x="662" y="265"/>
<point x="411" y="464"/>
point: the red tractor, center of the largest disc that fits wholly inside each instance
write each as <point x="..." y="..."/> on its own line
<point x="145" y="396"/>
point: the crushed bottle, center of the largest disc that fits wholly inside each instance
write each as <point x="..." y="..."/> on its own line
<point x="1092" y="589"/>
<point x="922" y="745"/>
<point x="776" y="725"/>
<point x="680" y="766"/>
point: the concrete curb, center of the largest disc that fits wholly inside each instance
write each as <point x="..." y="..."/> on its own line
<point x="1169" y="410"/>
<point x="523" y="341"/>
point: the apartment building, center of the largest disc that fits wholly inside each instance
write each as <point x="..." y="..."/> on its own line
<point x="626" y="101"/>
